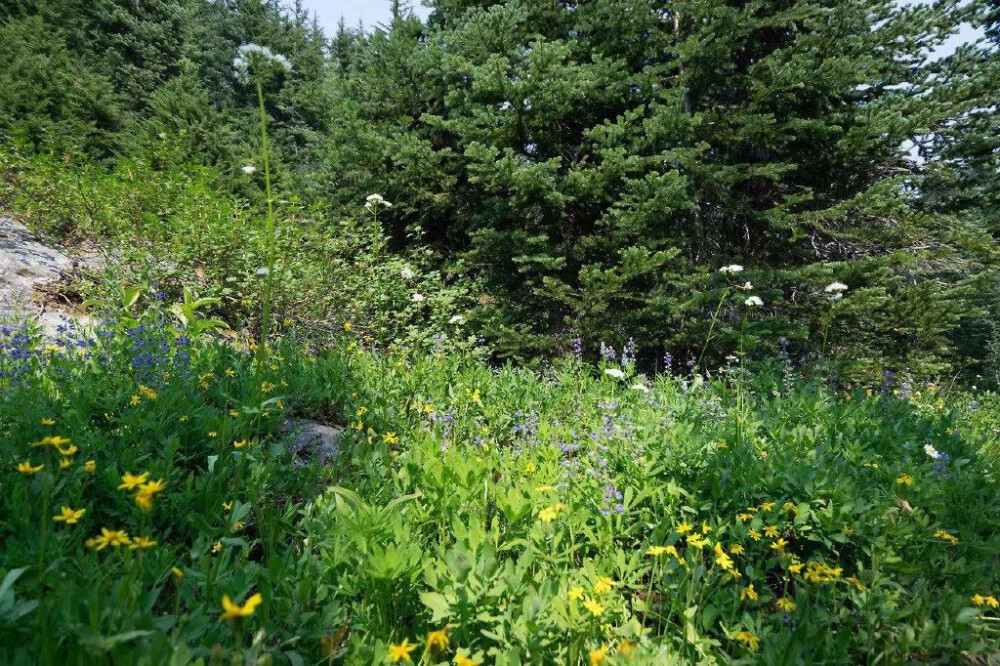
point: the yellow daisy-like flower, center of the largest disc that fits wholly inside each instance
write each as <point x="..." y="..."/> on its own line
<point x="791" y="507"/>
<point x="233" y="413"/>
<point x="238" y="525"/>
<point x="656" y="551"/>
<point x="684" y="528"/>
<point x="240" y="444"/>
<point x="48" y="422"/>
<point x="401" y="652"/>
<point x="148" y="392"/>
<point x="771" y="532"/>
<point x="980" y="600"/>
<point x="135" y="400"/>
<point x="767" y="506"/>
<point x="230" y="372"/>
<point x="438" y="640"/>
<point x="905" y="480"/>
<point x="697" y="541"/>
<point x="858" y="585"/>
<point x="598" y="656"/>
<point x="68" y="515"/>
<point x="748" y="593"/>
<point x="90" y="466"/>
<point x="796" y="567"/>
<point x="575" y="593"/>
<point x="595" y="608"/>
<point x="705" y="529"/>
<point x="754" y="534"/>
<point x="65" y="463"/>
<point x="232" y="611"/>
<point x="390" y="438"/>
<point x="228" y="506"/>
<point x="745" y="517"/>
<point x="141" y="543"/>
<point x="26" y="468"/>
<point x="217" y="546"/>
<point x="785" y="604"/>
<point x="464" y="661"/>
<point x="68" y="451"/>
<point x="779" y="545"/>
<point x="945" y="536"/>
<point x="131" y="481"/>
<point x="113" y="538"/>
<point x="749" y="639"/>
<point x="736" y="549"/>
<point x="178" y="574"/>
<point x="604" y="585"/>
<point x="213" y="433"/>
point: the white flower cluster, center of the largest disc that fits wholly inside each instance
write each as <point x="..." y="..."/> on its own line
<point x="836" y="290"/>
<point x="932" y="452"/>
<point x="249" y="169"/>
<point x="732" y="268"/>
<point x="373" y="201"/>
<point x="614" y="372"/>
<point x="754" y="302"/>
<point x="255" y="56"/>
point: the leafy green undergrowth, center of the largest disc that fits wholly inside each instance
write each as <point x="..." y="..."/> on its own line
<point x="492" y="515"/>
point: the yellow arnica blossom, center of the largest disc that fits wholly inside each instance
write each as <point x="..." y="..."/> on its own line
<point x="68" y="515"/>
<point x="48" y="422"/>
<point x="748" y="593"/>
<point x="779" y="545"/>
<point x="65" y="463"/>
<point x="625" y="649"/>
<point x="113" y="538"/>
<point x="228" y="506"/>
<point x="791" y="507"/>
<point x="238" y="525"/>
<point x="785" y="604"/>
<point x="656" y="551"/>
<point x="990" y="601"/>
<point x="56" y="441"/>
<point x="821" y="573"/>
<point x="858" y="585"/>
<point x="26" y="468"/>
<point x="147" y="491"/>
<point x="548" y="514"/>
<point x="390" y="438"/>
<point x="178" y="574"/>
<point x="767" y="506"/>
<point x="438" y="639"/>
<point x="464" y="661"/>
<point x="131" y="481"/>
<point x="267" y="387"/>
<point x="68" y="451"/>
<point x="722" y="559"/>
<point x="604" y="585"/>
<point x="796" y="567"/>
<point x="684" y="528"/>
<point x="697" y="541"/>
<point x="231" y="611"/>
<point x="235" y="414"/>
<point x="594" y="607"/>
<point x="148" y="392"/>
<point x="744" y="517"/>
<point x="135" y="400"/>
<point x="598" y="656"/>
<point x="90" y="466"/>
<point x="217" y="546"/>
<point x="754" y="534"/>
<point x="749" y="639"/>
<point x="945" y="536"/>
<point x="705" y="529"/>
<point x="141" y="543"/>
<point x="736" y="549"/>
<point x="905" y="480"/>
<point x="402" y="651"/>
<point x="240" y="444"/>
<point x="575" y="593"/>
<point x="770" y="532"/>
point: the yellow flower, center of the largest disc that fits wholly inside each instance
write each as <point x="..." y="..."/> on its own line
<point x="402" y="651"/>
<point x="230" y="372"/>
<point x="182" y="417"/>
<point x="705" y="529"/>
<point x="746" y="517"/>
<point x="748" y="593"/>
<point x="785" y="604"/>
<point x="749" y="639"/>
<point x="438" y="639"/>
<point x="598" y="656"/>
<point x="779" y="545"/>
<point x="604" y="585"/>
<point x="905" y="480"/>
<point x="767" y="506"/>
<point x="684" y="528"/>
<point x="770" y="532"/>
<point x="217" y="546"/>
<point x="625" y="649"/>
<point x="530" y="468"/>
<point x="235" y="414"/>
<point x="594" y="607"/>
<point x="656" y="551"/>
<point x="26" y="468"/>
<point x="390" y="438"/>
<point x="238" y="525"/>
<point x="141" y="543"/>
<point x="347" y="326"/>
<point x="754" y="534"/>
<point x="233" y="611"/>
<point x="990" y="601"/>
<point x="90" y="466"/>
<point x="945" y="536"/>
<point x="736" y="549"/>
<point x="148" y="392"/>
<point x="721" y="558"/>
<point x="858" y="585"/>
<point x="113" y="538"/>
<point x="464" y="661"/>
<point x="267" y="387"/>
<point x="65" y="463"/>
<point x="131" y="481"/>
<point x="697" y="541"/>
<point x="575" y="593"/>
<point x="212" y="433"/>
<point x="68" y="451"/>
<point x="796" y="568"/>
<point x="135" y="400"/>
<point x="240" y="444"/>
<point x="790" y="506"/>
<point x="48" y="422"/>
<point x="178" y="574"/>
<point x="69" y="516"/>
<point x="548" y="514"/>
<point x="228" y="506"/>
<point x="751" y="509"/>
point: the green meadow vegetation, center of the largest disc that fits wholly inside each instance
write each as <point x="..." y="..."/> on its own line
<point x="653" y="333"/>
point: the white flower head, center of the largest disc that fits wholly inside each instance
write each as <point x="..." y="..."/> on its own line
<point x="732" y="268"/>
<point x="640" y="387"/>
<point x="614" y="372"/>
<point x="754" y="302"/>
<point x="932" y="452"/>
<point x="747" y="286"/>
<point x="417" y="298"/>
<point x="835" y="287"/>
<point x="256" y="57"/>
<point x="373" y="201"/>
<point x="249" y="169"/>
<point x="263" y="271"/>
<point x="457" y="319"/>
<point x="406" y="273"/>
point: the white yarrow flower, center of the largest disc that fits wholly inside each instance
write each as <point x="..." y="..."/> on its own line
<point x="932" y="452"/>
<point x="614" y="372"/>
<point x="373" y="201"/>
<point x="263" y="271"/>
<point x="641" y="387"/>
<point x="457" y="319"/>
<point x="256" y="56"/>
<point x="732" y="268"/>
<point x="249" y="169"/>
<point x="417" y="298"/>
<point x="754" y="301"/>
<point x="406" y="273"/>
<point x="835" y="287"/>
